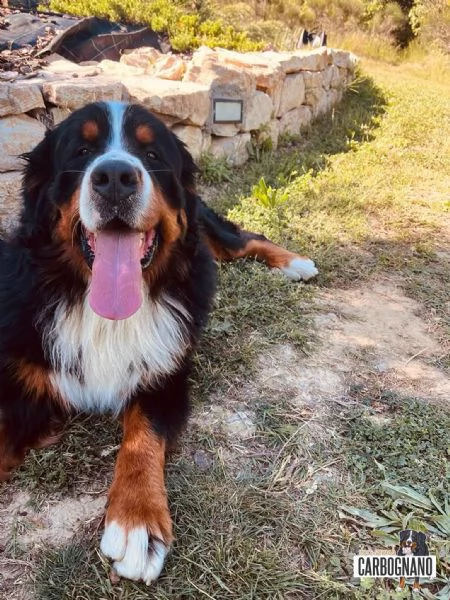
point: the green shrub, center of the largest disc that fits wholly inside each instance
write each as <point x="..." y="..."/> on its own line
<point x="213" y="170"/>
<point x="186" y="30"/>
<point x="430" y="21"/>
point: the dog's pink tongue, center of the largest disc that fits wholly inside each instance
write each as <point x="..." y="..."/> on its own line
<point x="116" y="275"/>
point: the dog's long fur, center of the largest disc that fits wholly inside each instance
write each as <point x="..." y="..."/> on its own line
<point x="112" y="169"/>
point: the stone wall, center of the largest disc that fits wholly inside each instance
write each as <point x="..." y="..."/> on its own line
<point x="281" y="93"/>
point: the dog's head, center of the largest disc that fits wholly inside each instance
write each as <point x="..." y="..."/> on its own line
<point x="412" y="543"/>
<point x="109" y="186"/>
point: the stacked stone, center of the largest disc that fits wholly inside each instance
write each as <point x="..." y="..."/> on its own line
<point x="19" y="132"/>
<point x="282" y="92"/>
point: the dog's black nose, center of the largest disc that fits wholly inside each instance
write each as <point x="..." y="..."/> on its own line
<point x="115" y="180"/>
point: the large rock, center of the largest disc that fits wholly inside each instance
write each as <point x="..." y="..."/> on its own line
<point x="334" y="96"/>
<point x="183" y="102"/>
<point x="19" y="133"/>
<point x="295" y="120"/>
<point x="74" y="94"/>
<point x="268" y="74"/>
<point x="294" y="62"/>
<point x="226" y="80"/>
<point x="313" y="79"/>
<point x="224" y="129"/>
<point x="196" y="140"/>
<point x="331" y="77"/>
<point x="314" y="96"/>
<point x="58" y="65"/>
<point x="143" y="57"/>
<point x="345" y="77"/>
<point x="233" y="149"/>
<point x="259" y="111"/>
<point x="58" y="115"/>
<point x="10" y="202"/>
<point x="344" y="59"/>
<point x="338" y="78"/>
<point x="119" y="69"/>
<point x="270" y="131"/>
<point x="313" y="60"/>
<point x="292" y="93"/>
<point x="169" y="66"/>
<point x="324" y="105"/>
<point x="17" y="98"/>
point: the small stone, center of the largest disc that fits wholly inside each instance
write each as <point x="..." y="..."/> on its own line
<point x="114" y="577"/>
<point x="202" y="460"/>
<point x="239" y="424"/>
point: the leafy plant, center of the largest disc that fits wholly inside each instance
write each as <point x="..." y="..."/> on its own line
<point x="410" y="438"/>
<point x="214" y="170"/>
<point x="268" y="196"/>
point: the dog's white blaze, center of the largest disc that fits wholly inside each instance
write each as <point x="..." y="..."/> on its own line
<point x="98" y="364"/>
<point x="116" y="150"/>
<point x="134" y="558"/>
<point x="116" y="114"/>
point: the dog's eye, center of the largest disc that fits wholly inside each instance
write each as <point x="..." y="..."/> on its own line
<point x="83" y="151"/>
<point x="152" y="155"/>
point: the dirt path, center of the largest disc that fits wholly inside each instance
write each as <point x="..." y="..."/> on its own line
<point x="373" y="330"/>
<point x="368" y="333"/>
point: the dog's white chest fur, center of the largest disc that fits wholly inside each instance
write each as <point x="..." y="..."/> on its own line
<point x="98" y="364"/>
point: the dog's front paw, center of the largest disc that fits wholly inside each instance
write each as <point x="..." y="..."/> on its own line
<point x="138" y="551"/>
<point x="300" y="268"/>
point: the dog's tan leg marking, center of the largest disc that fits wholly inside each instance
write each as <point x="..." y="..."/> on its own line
<point x="292" y="265"/>
<point x="138" y="527"/>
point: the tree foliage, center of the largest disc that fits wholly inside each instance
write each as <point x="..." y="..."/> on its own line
<point x="252" y="25"/>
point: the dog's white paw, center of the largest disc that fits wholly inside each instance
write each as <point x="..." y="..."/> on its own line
<point x="136" y="555"/>
<point x="300" y="268"/>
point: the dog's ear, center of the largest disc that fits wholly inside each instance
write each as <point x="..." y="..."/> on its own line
<point x="188" y="172"/>
<point x="38" y="170"/>
<point x="188" y="168"/>
<point x="37" y="179"/>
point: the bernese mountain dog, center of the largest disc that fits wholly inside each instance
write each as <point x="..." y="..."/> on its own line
<point x="105" y="287"/>
<point x="412" y="543"/>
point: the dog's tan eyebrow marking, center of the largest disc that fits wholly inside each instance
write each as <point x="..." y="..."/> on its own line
<point x="144" y="134"/>
<point x="90" y="131"/>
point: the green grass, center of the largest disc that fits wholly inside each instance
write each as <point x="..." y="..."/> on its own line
<point x="280" y="516"/>
<point x="397" y="438"/>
